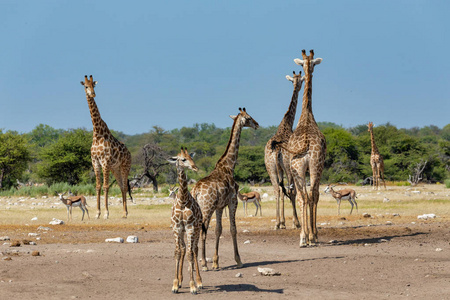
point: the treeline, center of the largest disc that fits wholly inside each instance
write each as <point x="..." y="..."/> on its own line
<point x="49" y="155"/>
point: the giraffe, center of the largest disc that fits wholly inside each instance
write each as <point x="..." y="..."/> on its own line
<point x="307" y="148"/>
<point x="276" y="170"/>
<point x="219" y="190"/>
<point x="376" y="161"/>
<point x="107" y="153"/>
<point x="186" y="217"/>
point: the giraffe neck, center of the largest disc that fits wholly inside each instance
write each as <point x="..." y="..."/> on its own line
<point x="288" y="119"/>
<point x="372" y="141"/>
<point x="99" y="126"/>
<point x="307" y="115"/>
<point x="182" y="179"/>
<point x="228" y="160"/>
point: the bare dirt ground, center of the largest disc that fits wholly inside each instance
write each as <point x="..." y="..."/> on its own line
<point x="385" y="256"/>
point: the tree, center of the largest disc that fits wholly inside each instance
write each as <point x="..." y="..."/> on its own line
<point x="14" y="158"/>
<point x="153" y="161"/>
<point x="68" y="159"/>
<point x="250" y="164"/>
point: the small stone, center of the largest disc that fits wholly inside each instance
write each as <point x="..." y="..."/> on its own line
<point x="33" y="234"/>
<point x="7" y="258"/>
<point x="114" y="240"/>
<point x="132" y="239"/>
<point x="438" y="249"/>
<point x="268" y="272"/>
<point x="366" y="215"/>
<point x="247" y="242"/>
<point x="238" y="275"/>
<point x="4" y="238"/>
<point x="245" y="231"/>
<point x="35" y="253"/>
<point x="15" y="244"/>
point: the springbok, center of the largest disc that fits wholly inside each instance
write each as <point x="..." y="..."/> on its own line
<point x="254" y="197"/>
<point x="345" y="194"/>
<point x="72" y="201"/>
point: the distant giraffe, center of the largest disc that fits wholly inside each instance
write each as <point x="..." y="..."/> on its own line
<point x="307" y="146"/>
<point x="376" y="161"/>
<point x="219" y="190"/>
<point x="186" y="217"/>
<point x="107" y="153"/>
<point x="277" y="169"/>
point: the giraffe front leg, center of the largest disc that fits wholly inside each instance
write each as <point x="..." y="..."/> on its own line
<point x="106" y="171"/>
<point x="190" y="258"/>
<point x="98" y="186"/>
<point x="176" y="284"/>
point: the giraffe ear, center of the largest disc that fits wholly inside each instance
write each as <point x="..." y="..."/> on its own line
<point x="316" y="61"/>
<point x="95" y="83"/>
<point x="289" y="78"/>
<point x="298" y="61"/>
<point x="82" y="83"/>
<point x="192" y="154"/>
<point x="172" y="160"/>
<point x="233" y="117"/>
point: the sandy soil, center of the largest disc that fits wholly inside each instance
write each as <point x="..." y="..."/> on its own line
<point x="405" y="258"/>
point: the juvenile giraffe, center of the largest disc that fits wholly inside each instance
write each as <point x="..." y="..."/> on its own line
<point x="186" y="217"/>
<point x="276" y="169"/>
<point x="307" y="147"/>
<point x="219" y="190"/>
<point x="376" y="161"/>
<point x="107" y="153"/>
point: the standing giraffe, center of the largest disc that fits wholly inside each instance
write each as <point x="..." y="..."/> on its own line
<point x="219" y="190"/>
<point x="376" y="161"/>
<point x="307" y="147"/>
<point x="277" y="169"/>
<point x="186" y="217"/>
<point x="107" y="153"/>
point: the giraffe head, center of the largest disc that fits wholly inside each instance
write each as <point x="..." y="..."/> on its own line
<point x="308" y="62"/>
<point x="370" y="126"/>
<point x="296" y="79"/>
<point x="245" y="119"/>
<point x="184" y="159"/>
<point x="89" y="85"/>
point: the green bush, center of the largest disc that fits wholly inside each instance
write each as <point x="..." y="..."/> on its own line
<point x="447" y="183"/>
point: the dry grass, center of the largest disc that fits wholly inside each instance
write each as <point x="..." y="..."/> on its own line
<point x="145" y="219"/>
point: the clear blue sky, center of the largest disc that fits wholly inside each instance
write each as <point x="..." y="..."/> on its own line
<point x="177" y="63"/>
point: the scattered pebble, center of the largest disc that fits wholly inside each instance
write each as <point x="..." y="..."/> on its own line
<point x="239" y="275"/>
<point x="247" y="242"/>
<point x="438" y="249"/>
<point x="114" y="240"/>
<point x="268" y="272"/>
<point x="35" y="253"/>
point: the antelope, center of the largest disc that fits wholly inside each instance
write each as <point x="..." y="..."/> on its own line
<point x="173" y="192"/>
<point x="248" y="198"/>
<point x="345" y="194"/>
<point x="72" y="201"/>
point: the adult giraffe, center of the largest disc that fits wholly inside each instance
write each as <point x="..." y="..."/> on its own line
<point x="277" y="160"/>
<point x="107" y="153"/>
<point x="219" y="190"/>
<point x="307" y="148"/>
<point x="376" y="161"/>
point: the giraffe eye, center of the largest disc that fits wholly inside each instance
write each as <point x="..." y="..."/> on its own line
<point x="183" y="159"/>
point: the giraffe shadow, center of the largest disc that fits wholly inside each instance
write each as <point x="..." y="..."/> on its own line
<point x="376" y="240"/>
<point x="241" y="288"/>
<point x="274" y="262"/>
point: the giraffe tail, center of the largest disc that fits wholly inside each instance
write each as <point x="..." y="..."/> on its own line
<point x="129" y="190"/>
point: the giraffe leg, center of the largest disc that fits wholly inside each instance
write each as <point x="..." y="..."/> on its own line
<point x="315" y="194"/>
<point x="233" y="206"/>
<point x="98" y="185"/>
<point x="218" y="232"/>
<point x="195" y="253"/>
<point x="204" y="234"/>
<point x="295" y="220"/>
<point x="190" y="258"/>
<point x="176" y="284"/>
<point x="106" y="171"/>
<point x="118" y="174"/>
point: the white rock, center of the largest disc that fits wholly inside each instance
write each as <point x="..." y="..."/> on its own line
<point x="56" y="222"/>
<point x="245" y="231"/>
<point x="4" y="238"/>
<point x="247" y="242"/>
<point x="415" y="192"/>
<point x="268" y="272"/>
<point x="34" y="219"/>
<point x="44" y="228"/>
<point x="132" y="239"/>
<point x="265" y="195"/>
<point x="33" y="234"/>
<point x="114" y="240"/>
<point x="426" y="216"/>
<point x="385" y="200"/>
<point x="238" y="275"/>
<point x="438" y="249"/>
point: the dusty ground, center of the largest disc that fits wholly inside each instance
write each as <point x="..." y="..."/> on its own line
<point x="381" y="257"/>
